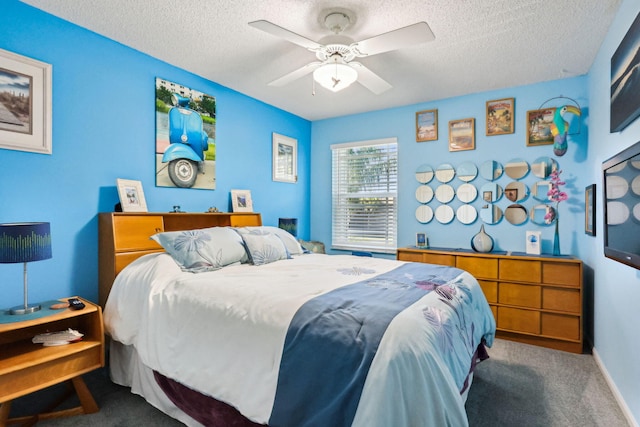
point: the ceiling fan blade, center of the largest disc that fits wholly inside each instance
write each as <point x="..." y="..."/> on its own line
<point x="290" y="36"/>
<point x="295" y="75"/>
<point x="396" y="39"/>
<point x="369" y="79"/>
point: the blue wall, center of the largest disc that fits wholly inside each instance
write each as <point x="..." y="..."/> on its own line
<point x="103" y="129"/>
<point x="616" y="293"/>
<point x="400" y="123"/>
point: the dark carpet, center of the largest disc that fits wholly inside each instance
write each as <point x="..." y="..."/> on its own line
<point x="520" y="385"/>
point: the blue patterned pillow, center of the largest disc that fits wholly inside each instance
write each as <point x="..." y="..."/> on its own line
<point x="264" y="247"/>
<point x="204" y="249"/>
<point x="290" y="242"/>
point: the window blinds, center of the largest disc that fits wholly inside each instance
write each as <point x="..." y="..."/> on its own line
<point x="364" y="195"/>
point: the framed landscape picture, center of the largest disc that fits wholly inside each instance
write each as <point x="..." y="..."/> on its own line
<point x="284" y="162"/>
<point x="625" y="84"/>
<point x="499" y="116"/>
<point x="427" y="125"/>
<point x="25" y="103"/>
<point x="539" y="126"/>
<point x="462" y="135"/>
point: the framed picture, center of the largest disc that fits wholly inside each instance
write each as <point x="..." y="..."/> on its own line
<point x="285" y="158"/>
<point x="427" y="125"/>
<point x="539" y="126"/>
<point x="185" y="149"/>
<point x="25" y="96"/>
<point x="499" y="115"/>
<point x="421" y="240"/>
<point x="131" y="195"/>
<point x="625" y="86"/>
<point x="590" y="210"/>
<point x="462" y="135"/>
<point x="241" y="201"/>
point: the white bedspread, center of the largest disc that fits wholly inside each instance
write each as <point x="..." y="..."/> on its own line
<point x="222" y="333"/>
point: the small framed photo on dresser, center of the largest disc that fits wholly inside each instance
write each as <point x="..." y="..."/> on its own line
<point x="421" y="240"/>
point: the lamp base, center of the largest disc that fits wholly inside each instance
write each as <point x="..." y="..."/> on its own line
<point x="21" y="309"/>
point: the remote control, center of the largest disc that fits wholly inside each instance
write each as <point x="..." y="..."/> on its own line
<point x="75" y="304"/>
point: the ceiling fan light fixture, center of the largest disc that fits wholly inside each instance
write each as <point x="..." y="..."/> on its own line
<point x="335" y="77"/>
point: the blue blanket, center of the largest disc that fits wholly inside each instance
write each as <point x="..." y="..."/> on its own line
<point x="332" y="341"/>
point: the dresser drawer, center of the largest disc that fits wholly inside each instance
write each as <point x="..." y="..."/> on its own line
<point x="567" y="300"/>
<point x="482" y="268"/>
<point x="410" y="256"/>
<point x="520" y="295"/>
<point x="561" y="326"/>
<point x="440" y="259"/>
<point x="516" y="320"/>
<point x="520" y="270"/>
<point x="490" y="290"/>
<point x="133" y="231"/>
<point x="557" y="273"/>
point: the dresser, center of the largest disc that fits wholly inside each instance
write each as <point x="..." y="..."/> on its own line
<point x="125" y="236"/>
<point x="535" y="299"/>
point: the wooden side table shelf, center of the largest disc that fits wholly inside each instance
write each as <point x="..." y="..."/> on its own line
<point x="26" y="367"/>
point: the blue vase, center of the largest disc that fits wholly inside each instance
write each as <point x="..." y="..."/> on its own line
<point x="556" y="240"/>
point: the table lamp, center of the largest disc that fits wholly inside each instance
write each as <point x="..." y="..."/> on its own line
<point x="24" y="242"/>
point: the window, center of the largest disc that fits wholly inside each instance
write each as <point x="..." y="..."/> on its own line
<point x="364" y="195"/>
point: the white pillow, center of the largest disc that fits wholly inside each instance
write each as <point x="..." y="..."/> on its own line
<point x="203" y="249"/>
<point x="290" y="242"/>
<point x="264" y="248"/>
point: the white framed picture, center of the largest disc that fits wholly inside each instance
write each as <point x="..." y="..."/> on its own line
<point x="25" y="94"/>
<point x="131" y="195"/>
<point x="285" y="158"/>
<point x="241" y="201"/>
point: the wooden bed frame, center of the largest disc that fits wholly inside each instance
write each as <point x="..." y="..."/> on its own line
<point x="124" y="237"/>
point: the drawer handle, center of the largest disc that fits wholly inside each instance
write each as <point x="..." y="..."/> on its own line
<point x="157" y="229"/>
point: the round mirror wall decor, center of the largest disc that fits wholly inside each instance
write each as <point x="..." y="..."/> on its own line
<point x="516" y="169"/>
<point x="444" y="214"/>
<point x="617" y="187"/>
<point x="540" y="190"/>
<point x="467" y="172"/>
<point x="516" y="191"/>
<point x="445" y="193"/>
<point x="424" y="214"/>
<point x="516" y="214"/>
<point x="491" y="170"/>
<point x="424" y="174"/>
<point x="445" y="173"/>
<point x="466" y="193"/>
<point x="543" y="166"/>
<point x="491" y="192"/>
<point x="424" y="194"/>
<point x="490" y="214"/>
<point x="466" y="214"/>
<point x="539" y="213"/>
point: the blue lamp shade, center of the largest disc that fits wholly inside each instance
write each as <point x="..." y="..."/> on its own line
<point x="25" y="242"/>
<point x="289" y="224"/>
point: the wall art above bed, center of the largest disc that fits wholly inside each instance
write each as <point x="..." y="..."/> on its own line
<point x="185" y="137"/>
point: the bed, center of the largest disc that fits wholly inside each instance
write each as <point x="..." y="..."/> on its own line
<point x="237" y="326"/>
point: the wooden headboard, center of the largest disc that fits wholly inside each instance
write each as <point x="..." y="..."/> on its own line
<point x="124" y="237"/>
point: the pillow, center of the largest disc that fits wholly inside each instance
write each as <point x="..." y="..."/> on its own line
<point x="264" y="248"/>
<point x="287" y="238"/>
<point x="204" y="249"/>
<point x="313" y="246"/>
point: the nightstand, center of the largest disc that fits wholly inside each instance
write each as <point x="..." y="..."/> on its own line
<point x="26" y="367"/>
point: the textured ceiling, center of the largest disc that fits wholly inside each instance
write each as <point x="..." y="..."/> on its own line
<point x="479" y="45"/>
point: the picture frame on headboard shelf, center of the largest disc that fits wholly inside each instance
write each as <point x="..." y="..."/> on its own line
<point x="241" y="201"/>
<point x="131" y="195"/>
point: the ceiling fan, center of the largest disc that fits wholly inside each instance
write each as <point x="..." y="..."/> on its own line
<point x="335" y="68"/>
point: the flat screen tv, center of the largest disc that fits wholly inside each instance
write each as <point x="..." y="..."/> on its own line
<point x="621" y="184"/>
